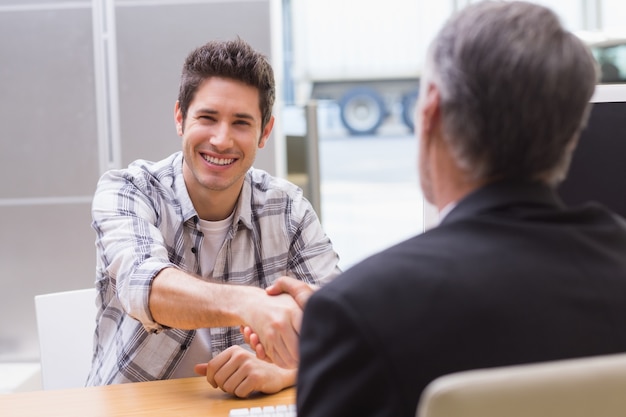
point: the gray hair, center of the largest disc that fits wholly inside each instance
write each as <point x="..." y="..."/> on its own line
<point x="515" y="89"/>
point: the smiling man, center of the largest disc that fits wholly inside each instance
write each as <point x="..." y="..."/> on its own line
<point x="186" y="245"/>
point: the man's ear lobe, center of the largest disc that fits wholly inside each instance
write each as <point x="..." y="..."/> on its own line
<point x="430" y="110"/>
<point x="428" y="115"/>
<point x="178" y="119"/>
<point x="266" y="132"/>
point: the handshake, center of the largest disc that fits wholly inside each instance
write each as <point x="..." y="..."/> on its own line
<point x="276" y="340"/>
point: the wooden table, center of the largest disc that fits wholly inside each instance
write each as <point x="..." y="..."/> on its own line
<point x="188" y="397"/>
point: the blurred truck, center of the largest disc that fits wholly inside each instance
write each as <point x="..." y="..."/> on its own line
<point x="365" y="55"/>
<point x="609" y="49"/>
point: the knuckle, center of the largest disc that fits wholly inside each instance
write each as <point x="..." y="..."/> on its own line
<point x="238" y="353"/>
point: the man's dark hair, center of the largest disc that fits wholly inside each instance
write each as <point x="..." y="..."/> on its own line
<point x="234" y="59"/>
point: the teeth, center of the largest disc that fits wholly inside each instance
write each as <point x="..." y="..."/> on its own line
<point x="218" y="161"/>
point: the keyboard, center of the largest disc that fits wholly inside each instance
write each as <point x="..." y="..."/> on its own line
<point x="267" y="411"/>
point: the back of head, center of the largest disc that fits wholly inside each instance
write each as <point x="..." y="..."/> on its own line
<point x="234" y="59"/>
<point x="514" y="88"/>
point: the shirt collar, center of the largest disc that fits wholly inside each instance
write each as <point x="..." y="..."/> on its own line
<point x="243" y="207"/>
<point x="447" y="209"/>
<point x="180" y="188"/>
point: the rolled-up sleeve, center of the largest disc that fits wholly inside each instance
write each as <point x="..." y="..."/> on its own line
<point x="131" y="248"/>
<point x="311" y="253"/>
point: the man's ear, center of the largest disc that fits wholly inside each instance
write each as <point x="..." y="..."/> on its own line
<point x="266" y="132"/>
<point x="178" y="119"/>
<point x="430" y="112"/>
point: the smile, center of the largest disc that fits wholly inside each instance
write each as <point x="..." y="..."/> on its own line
<point x="218" y="161"/>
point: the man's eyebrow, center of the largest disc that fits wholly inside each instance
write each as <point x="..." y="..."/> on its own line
<point x="244" y="116"/>
<point x="237" y="115"/>
<point x="206" y="110"/>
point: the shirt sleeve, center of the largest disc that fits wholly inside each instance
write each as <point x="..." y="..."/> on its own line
<point x="130" y="247"/>
<point x="312" y="257"/>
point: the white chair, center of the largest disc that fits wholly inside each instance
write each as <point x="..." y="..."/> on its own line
<point x="586" y="387"/>
<point x="66" y="322"/>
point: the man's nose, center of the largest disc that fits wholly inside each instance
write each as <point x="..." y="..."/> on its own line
<point x="221" y="136"/>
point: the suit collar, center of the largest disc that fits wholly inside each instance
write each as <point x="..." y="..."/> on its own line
<point x="502" y="195"/>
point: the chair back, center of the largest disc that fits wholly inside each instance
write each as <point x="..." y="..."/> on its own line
<point x="65" y="323"/>
<point x="585" y="387"/>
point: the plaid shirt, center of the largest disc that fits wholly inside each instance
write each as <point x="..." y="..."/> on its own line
<point x="145" y="221"/>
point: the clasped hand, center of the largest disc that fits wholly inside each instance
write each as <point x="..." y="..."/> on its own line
<point x="276" y="342"/>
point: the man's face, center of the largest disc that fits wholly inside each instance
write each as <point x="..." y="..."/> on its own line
<point x="221" y="135"/>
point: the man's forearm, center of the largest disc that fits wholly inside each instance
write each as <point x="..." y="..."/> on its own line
<point x="182" y="301"/>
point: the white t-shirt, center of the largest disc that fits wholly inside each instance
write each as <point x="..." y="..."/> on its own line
<point x="200" y="349"/>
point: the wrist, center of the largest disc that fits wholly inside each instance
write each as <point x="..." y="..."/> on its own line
<point x="287" y="377"/>
<point x="243" y="302"/>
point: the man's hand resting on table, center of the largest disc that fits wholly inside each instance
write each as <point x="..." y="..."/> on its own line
<point x="238" y="372"/>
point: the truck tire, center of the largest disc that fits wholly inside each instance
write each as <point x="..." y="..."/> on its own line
<point x="362" y="111"/>
<point x="408" y="109"/>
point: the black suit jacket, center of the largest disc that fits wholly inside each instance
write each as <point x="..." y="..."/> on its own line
<point x="510" y="276"/>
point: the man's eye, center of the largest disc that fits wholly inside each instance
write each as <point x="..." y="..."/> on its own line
<point x="242" y="122"/>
